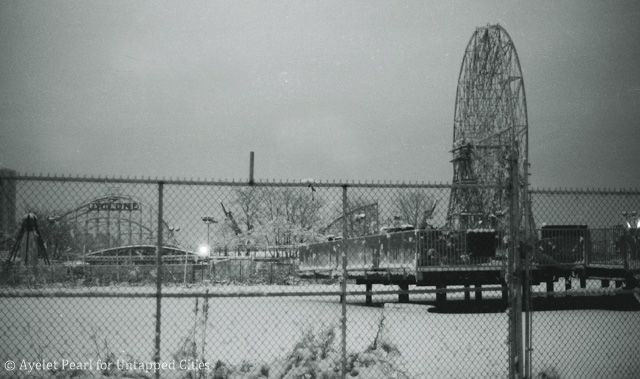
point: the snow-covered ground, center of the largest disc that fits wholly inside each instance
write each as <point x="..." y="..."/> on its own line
<point x="577" y="343"/>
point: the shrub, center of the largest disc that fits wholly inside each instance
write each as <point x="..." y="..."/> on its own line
<point x="548" y="373"/>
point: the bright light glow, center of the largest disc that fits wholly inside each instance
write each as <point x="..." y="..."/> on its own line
<point x="638" y="223"/>
<point x="203" y="250"/>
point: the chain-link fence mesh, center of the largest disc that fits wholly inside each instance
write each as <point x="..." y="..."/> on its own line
<point x="253" y="282"/>
<point x="585" y="320"/>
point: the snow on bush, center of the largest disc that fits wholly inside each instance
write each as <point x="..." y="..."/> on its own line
<point x="548" y="373"/>
<point x="316" y="355"/>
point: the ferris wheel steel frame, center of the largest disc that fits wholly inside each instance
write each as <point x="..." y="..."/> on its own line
<point x="490" y="135"/>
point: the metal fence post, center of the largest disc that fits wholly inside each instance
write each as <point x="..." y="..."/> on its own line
<point x="528" y="316"/>
<point x="528" y="252"/>
<point x="514" y="277"/>
<point x="343" y="289"/>
<point x="156" y="357"/>
<point x="205" y="314"/>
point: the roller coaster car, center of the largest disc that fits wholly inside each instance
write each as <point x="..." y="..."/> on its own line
<point x="563" y="244"/>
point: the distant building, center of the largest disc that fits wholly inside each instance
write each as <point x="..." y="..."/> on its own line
<point x="7" y="202"/>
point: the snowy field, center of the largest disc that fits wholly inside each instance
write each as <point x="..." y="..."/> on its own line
<point x="576" y="343"/>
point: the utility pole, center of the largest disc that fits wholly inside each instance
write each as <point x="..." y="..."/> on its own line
<point x="251" y="160"/>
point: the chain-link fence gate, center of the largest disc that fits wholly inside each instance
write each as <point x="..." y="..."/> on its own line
<point x="307" y="279"/>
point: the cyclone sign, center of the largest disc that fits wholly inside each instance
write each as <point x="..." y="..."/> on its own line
<point x="114" y="206"/>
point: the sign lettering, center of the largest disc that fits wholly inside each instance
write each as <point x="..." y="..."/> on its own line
<point x="114" y="206"/>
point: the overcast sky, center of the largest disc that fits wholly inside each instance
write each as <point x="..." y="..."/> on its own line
<point x="318" y="89"/>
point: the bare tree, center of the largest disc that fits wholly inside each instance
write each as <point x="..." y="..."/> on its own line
<point x="292" y="215"/>
<point x="279" y="216"/>
<point x="415" y="208"/>
<point x="248" y="199"/>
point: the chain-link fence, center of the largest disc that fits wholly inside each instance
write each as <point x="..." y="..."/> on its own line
<point x="585" y="319"/>
<point x="146" y="278"/>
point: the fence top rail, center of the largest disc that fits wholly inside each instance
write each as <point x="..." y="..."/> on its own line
<point x="585" y="191"/>
<point x="240" y="182"/>
<point x="303" y="183"/>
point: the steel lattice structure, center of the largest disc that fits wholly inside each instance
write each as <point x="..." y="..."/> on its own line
<point x="108" y="222"/>
<point x="490" y="130"/>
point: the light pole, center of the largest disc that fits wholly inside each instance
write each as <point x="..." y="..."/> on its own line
<point x="208" y="220"/>
<point x="207" y="250"/>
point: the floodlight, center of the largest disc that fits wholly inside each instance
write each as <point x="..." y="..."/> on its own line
<point x="203" y="250"/>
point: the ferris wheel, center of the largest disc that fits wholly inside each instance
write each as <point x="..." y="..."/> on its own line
<point x="490" y="133"/>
